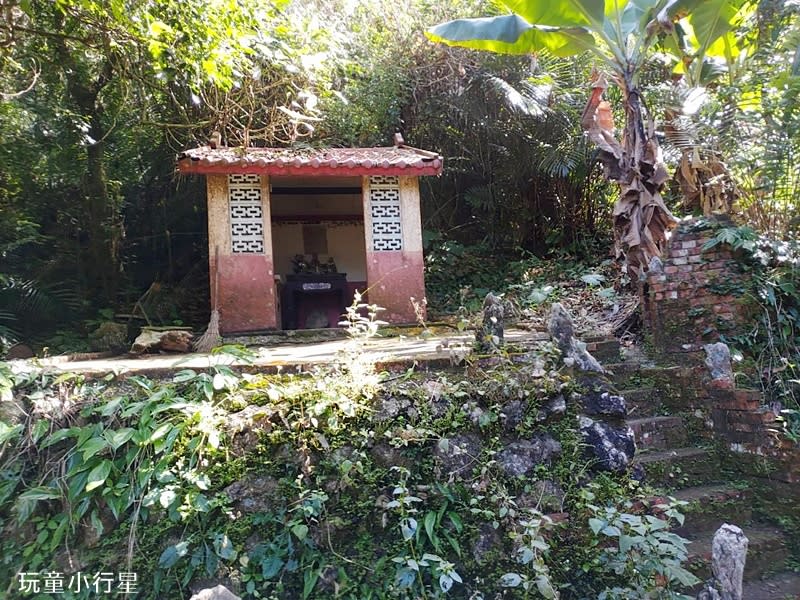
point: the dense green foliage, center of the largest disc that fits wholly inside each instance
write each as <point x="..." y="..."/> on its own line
<point x="771" y="342"/>
<point x="96" y="100"/>
<point x="322" y="486"/>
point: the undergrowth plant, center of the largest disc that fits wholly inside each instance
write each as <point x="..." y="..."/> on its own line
<point x="772" y="344"/>
<point x="643" y="552"/>
<point x="330" y="484"/>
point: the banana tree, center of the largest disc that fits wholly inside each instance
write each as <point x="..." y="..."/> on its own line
<point x="620" y="34"/>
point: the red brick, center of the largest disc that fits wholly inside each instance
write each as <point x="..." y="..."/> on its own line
<point x="670" y="269"/>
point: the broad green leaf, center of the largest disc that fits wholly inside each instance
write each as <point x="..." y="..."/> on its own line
<point x="563" y="13"/>
<point x="636" y="15"/>
<point x="40" y="493"/>
<point x="510" y="580"/>
<point x="271" y="566"/>
<point x="711" y="20"/>
<point x="596" y="525"/>
<point x="119" y="437"/>
<point x="511" y="34"/>
<point x="224" y="547"/>
<point x="27" y="501"/>
<point x="310" y="578"/>
<point x="92" y="446"/>
<point x="172" y="554"/>
<point x="300" y="531"/>
<point x="7" y="432"/>
<point x="430" y="523"/>
<point x="408" y="527"/>
<point x="184" y="376"/>
<point x="545" y="587"/>
<point x="98" y="475"/>
<point x="159" y="433"/>
<point x="685" y="577"/>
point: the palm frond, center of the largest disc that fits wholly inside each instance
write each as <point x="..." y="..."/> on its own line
<point x="527" y="101"/>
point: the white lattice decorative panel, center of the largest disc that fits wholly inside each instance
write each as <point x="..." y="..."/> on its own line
<point x="384" y="204"/>
<point x="247" y="217"/>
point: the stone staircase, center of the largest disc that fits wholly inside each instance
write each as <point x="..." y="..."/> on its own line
<point x="677" y="452"/>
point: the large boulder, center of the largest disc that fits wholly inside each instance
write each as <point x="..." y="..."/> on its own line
<point x="603" y="402"/>
<point x="457" y="456"/>
<point x="728" y="556"/>
<point x="718" y="361"/>
<point x="109" y="336"/>
<point x="253" y="494"/>
<point x="520" y="458"/>
<point x="612" y="446"/>
<point x="490" y="335"/>
<point x="573" y="351"/>
<point x="173" y="340"/>
<point x="219" y="592"/>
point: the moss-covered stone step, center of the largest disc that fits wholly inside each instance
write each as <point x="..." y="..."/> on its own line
<point x="642" y="402"/>
<point x="659" y="432"/>
<point x="766" y="551"/>
<point x="709" y="506"/>
<point x="678" y="468"/>
<point x="623" y="374"/>
<point x="605" y="349"/>
<point x="780" y="586"/>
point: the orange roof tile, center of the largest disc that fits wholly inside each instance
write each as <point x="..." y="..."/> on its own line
<point x="392" y="160"/>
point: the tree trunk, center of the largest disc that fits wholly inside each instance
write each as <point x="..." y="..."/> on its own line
<point x="100" y="248"/>
<point x="641" y="219"/>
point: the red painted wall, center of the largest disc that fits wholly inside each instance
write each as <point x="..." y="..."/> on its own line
<point x="394" y="278"/>
<point x="246" y="293"/>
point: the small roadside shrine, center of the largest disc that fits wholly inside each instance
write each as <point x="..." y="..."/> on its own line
<point x="292" y="233"/>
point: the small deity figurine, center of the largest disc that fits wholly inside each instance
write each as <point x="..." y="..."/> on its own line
<point x="299" y="264"/>
<point x="330" y="266"/>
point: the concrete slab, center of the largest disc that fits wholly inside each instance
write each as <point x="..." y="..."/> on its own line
<point x="305" y="355"/>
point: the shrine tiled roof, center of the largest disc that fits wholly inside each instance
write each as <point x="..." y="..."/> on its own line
<point x="392" y="160"/>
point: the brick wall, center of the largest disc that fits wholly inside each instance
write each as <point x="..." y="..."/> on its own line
<point x="695" y="296"/>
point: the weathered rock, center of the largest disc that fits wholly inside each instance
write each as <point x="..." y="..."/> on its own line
<point x="437" y="400"/>
<point x="109" y="336"/>
<point x="388" y="456"/>
<point x="512" y="414"/>
<point x="554" y="407"/>
<point x="490" y="336"/>
<point x="387" y="408"/>
<point x="173" y="340"/>
<point x="219" y="592"/>
<point x="488" y="539"/>
<point x="545" y="496"/>
<point x="612" y="446"/>
<point x="519" y="458"/>
<point x="457" y="456"/>
<point x="603" y="403"/>
<point x="253" y="494"/>
<point x="655" y="266"/>
<point x="19" y="351"/>
<point x="728" y="555"/>
<point x="573" y="352"/>
<point x="718" y="361"/>
<point x="244" y="426"/>
<point x="12" y="411"/>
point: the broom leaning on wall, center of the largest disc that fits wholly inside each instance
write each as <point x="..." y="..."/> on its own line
<point x="212" y="338"/>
